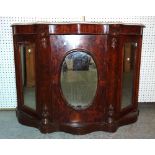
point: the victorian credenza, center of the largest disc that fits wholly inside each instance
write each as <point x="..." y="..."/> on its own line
<point x="77" y="77"/>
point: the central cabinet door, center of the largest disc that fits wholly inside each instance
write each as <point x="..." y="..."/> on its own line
<point x="78" y="78"/>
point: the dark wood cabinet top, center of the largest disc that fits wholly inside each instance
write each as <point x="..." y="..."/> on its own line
<point x="78" y="28"/>
<point x="79" y="23"/>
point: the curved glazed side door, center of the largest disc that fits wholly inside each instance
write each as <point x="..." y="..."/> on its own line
<point x="130" y="64"/>
<point x="26" y="76"/>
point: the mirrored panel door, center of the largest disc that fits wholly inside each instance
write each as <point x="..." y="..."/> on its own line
<point x="128" y="73"/>
<point x="79" y="79"/>
<point x="27" y="55"/>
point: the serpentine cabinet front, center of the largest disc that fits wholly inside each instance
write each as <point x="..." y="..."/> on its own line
<point x="77" y="77"/>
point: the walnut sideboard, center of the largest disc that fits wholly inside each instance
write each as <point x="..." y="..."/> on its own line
<point x="77" y="77"/>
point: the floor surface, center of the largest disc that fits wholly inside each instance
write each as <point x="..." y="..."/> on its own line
<point x="144" y="128"/>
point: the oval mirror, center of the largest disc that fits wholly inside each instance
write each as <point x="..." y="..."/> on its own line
<point x="79" y="79"/>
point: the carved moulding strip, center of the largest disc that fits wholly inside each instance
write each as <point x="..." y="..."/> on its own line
<point x="44" y="124"/>
<point x="113" y="43"/>
<point x="110" y="114"/>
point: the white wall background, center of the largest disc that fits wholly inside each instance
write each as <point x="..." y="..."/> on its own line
<point x="8" y="98"/>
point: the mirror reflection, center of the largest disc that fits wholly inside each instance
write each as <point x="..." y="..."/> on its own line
<point x="79" y="79"/>
<point x="128" y="73"/>
<point x="28" y="74"/>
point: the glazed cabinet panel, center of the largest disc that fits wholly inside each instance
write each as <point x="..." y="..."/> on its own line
<point x="27" y="54"/>
<point x="26" y="75"/>
<point x="130" y="56"/>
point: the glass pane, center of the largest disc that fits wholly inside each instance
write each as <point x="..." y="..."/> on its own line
<point x="79" y="79"/>
<point x="28" y="74"/>
<point x="128" y="73"/>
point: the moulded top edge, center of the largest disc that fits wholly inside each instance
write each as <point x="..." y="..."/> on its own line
<point x="64" y="23"/>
